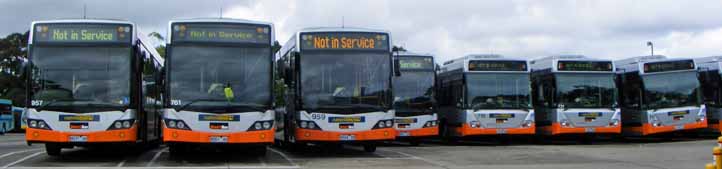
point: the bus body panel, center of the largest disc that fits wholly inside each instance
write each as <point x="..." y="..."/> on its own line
<point x="490" y="122"/>
<point x="417" y="126"/>
<point x="330" y="130"/>
<point x="665" y="120"/>
<point x="201" y="131"/>
<point x="96" y="130"/>
<point x="576" y="121"/>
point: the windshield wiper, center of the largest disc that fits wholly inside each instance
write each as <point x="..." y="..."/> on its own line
<point x="353" y="106"/>
<point x="59" y="101"/>
<point x="200" y="100"/>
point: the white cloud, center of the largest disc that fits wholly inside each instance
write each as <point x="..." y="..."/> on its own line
<point x="449" y="29"/>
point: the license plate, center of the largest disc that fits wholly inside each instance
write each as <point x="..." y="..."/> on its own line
<point x="589" y="130"/>
<point x="679" y="127"/>
<point x="219" y="139"/>
<point x="346" y="137"/>
<point x="500" y="131"/>
<point x="78" y="138"/>
<point x="404" y="133"/>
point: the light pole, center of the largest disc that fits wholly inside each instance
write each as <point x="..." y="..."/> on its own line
<point x="651" y="47"/>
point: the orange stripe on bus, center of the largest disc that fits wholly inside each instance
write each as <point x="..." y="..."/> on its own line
<point x="556" y="129"/>
<point x="647" y="128"/>
<point x="317" y="135"/>
<point x="186" y="136"/>
<point x="120" y="135"/>
<point x="467" y="130"/>
<point x="421" y="132"/>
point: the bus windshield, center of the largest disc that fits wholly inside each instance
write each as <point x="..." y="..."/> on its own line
<point x="200" y="77"/>
<point x="345" y="81"/>
<point x="586" y="90"/>
<point x="91" y="76"/>
<point x="668" y="90"/>
<point x="498" y="90"/>
<point x="413" y="90"/>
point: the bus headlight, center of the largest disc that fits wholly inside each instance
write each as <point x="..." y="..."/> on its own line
<point x="384" y="124"/>
<point x="614" y="122"/>
<point x="565" y="123"/>
<point x="41" y="124"/>
<point x="527" y="123"/>
<point x="122" y="124"/>
<point x="266" y="125"/>
<point x="431" y="123"/>
<point x="261" y="125"/>
<point x="475" y="124"/>
<point x="308" y="125"/>
<point x="126" y="124"/>
<point x="38" y="124"/>
<point x="176" y="124"/>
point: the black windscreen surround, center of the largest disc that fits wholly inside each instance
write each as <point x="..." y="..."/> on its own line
<point x="668" y="66"/>
<point x="478" y="65"/>
<point x="597" y="66"/>
<point x="221" y="33"/>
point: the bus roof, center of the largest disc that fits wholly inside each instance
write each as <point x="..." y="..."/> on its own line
<point x="634" y="64"/>
<point x="110" y="21"/>
<point x="550" y="62"/>
<point x="218" y="20"/>
<point x="407" y="53"/>
<point x="462" y="63"/>
<point x="709" y="63"/>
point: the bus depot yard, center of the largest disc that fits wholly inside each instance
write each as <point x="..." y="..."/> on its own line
<point x="642" y="153"/>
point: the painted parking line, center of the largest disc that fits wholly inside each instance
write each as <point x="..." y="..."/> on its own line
<point x="212" y="167"/>
<point x="16" y="152"/>
<point x="155" y="157"/>
<point x="293" y="164"/>
<point x="420" y="158"/>
<point x="23" y="159"/>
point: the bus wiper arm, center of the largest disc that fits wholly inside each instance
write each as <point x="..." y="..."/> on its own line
<point x="199" y="100"/>
<point x="52" y="102"/>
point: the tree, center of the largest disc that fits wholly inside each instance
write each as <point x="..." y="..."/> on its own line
<point x="160" y="48"/>
<point x="398" y="49"/>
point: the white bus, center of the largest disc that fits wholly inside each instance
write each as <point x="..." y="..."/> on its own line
<point x="92" y="82"/>
<point x="219" y="85"/>
<point x="339" y="87"/>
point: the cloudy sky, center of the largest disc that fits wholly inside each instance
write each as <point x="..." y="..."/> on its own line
<point x="448" y="29"/>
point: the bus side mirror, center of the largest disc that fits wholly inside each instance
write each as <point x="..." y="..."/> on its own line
<point x="397" y="68"/>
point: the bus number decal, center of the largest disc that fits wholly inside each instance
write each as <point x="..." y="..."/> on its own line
<point x="175" y="102"/>
<point x="318" y="116"/>
<point x="36" y="102"/>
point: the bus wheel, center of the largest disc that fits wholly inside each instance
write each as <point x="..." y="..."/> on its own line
<point x="175" y="150"/>
<point x="370" y="148"/>
<point x="52" y="149"/>
<point x="414" y="142"/>
<point x="259" y="150"/>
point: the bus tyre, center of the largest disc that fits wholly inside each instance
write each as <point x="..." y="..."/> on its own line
<point x="370" y="148"/>
<point x="259" y="150"/>
<point x="52" y="149"/>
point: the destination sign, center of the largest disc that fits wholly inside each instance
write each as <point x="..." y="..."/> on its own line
<point x="595" y="66"/>
<point x="501" y="115"/>
<point x="221" y="32"/>
<point x="355" y="119"/>
<point x="79" y="117"/>
<point x="590" y="114"/>
<point x="416" y="63"/>
<point x="668" y="66"/>
<point x="209" y="117"/>
<point x="344" y="41"/>
<point x="82" y="33"/>
<point x="483" y="65"/>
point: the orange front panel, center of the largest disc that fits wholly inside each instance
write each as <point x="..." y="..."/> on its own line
<point x="647" y="128"/>
<point x="467" y="130"/>
<point x="557" y="128"/>
<point x="317" y="135"/>
<point x="122" y="135"/>
<point x="187" y="136"/>
<point x="429" y="131"/>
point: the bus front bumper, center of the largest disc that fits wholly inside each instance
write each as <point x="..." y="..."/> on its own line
<point x="420" y="132"/>
<point x="330" y="136"/>
<point x="244" y="137"/>
<point x="33" y="135"/>
<point x="557" y="129"/>
<point x="648" y="129"/>
<point x="467" y="130"/>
